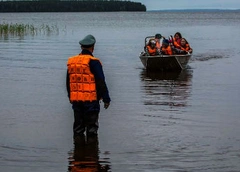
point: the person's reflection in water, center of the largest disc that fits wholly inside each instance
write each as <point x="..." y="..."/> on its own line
<point x="85" y="157"/>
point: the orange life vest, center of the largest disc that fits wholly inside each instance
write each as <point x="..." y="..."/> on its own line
<point x="186" y="47"/>
<point x="167" y="50"/>
<point x="151" y="51"/>
<point x="176" y="42"/>
<point x="158" y="45"/>
<point x="82" y="81"/>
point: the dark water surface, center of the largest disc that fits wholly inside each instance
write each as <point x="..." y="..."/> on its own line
<point x="157" y="122"/>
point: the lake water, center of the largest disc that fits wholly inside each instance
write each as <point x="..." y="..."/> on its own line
<point x="157" y="122"/>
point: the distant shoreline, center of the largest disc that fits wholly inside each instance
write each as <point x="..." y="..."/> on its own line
<point x="70" y="6"/>
<point x="193" y="10"/>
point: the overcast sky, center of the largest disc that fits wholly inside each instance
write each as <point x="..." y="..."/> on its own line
<point x="190" y="4"/>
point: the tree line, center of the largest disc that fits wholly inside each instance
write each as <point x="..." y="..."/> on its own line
<point x="70" y="6"/>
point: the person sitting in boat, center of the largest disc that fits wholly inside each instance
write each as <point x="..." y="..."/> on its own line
<point x="176" y="40"/>
<point x="158" y="36"/>
<point x="166" y="49"/>
<point x="151" y="48"/>
<point x="185" y="46"/>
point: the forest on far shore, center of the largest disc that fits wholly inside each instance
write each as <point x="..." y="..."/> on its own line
<point x="70" y="6"/>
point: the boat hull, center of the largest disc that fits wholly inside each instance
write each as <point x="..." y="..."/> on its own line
<point x="165" y="62"/>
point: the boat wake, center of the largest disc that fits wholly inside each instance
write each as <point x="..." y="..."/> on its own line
<point x="206" y="57"/>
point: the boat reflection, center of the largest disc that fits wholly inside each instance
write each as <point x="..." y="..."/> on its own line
<point x="85" y="156"/>
<point x="166" y="89"/>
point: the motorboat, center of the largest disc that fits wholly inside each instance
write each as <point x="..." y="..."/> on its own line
<point x="162" y="62"/>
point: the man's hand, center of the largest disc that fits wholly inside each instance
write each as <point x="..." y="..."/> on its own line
<point x="106" y="105"/>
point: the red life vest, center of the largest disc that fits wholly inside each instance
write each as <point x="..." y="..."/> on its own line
<point x="82" y="81"/>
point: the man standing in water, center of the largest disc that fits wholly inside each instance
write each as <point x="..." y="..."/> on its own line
<point x="86" y="86"/>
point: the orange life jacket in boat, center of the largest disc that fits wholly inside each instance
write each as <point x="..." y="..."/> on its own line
<point x="151" y="51"/>
<point x="186" y="47"/>
<point x="176" y="43"/>
<point x="167" y="50"/>
<point x="82" y="81"/>
<point x="158" y="45"/>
